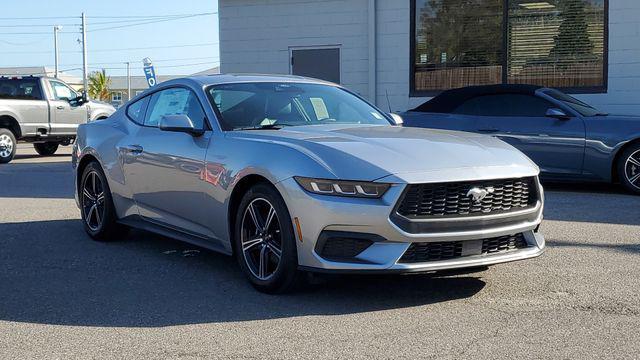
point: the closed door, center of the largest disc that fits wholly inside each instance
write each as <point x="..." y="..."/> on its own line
<point x="321" y="64"/>
<point x="555" y="145"/>
<point x="65" y="118"/>
<point x="164" y="169"/>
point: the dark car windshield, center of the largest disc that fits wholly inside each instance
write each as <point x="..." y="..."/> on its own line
<point x="575" y="104"/>
<point x="275" y="105"/>
<point x="23" y="89"/>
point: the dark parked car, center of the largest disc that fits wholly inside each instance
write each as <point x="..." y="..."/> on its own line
<point x="568" y="139"/>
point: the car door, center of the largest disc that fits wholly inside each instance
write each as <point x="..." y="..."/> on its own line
<point x="556" y="145"/>
<point x="164" y="169"/>
<point x="65" y="118"/>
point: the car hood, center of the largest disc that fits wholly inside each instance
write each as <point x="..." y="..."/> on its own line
<point x="374" y="152"/>
<point x="101" y="105"/>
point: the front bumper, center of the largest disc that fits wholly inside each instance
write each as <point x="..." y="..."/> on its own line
<point x="317" y="214"/>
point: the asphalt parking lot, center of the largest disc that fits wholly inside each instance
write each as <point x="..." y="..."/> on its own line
<point x="65" y="296"/>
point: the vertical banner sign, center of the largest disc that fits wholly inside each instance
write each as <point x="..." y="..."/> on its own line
<point x="149" y="72"/>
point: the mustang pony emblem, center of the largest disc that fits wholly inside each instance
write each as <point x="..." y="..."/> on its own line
<point x="478" y="194"/>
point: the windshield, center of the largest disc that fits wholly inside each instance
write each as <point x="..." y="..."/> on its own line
<point x="575" y="104"/>
<point x="274" y="105"/>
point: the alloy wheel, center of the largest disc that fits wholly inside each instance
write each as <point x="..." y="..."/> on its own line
<point x="261" y="238"/>
<point x="6" y="146"/>
<point x="93" y="201"/>
<point x="632" y="169"/>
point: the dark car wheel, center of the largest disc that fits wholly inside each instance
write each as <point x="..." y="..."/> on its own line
<point x="265" y="244"/>
<point x="96" y="206"/>
<point x="47" y="148"/>
<point x="7" y="146"/>
<point x="629" y="168"/>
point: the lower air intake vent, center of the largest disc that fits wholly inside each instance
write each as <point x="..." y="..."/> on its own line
<point x="438" y="251"/>
<point x="343" y="246"/>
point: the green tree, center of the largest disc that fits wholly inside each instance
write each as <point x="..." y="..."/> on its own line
<point x="99" y="84"/>
<point x="572" y="42"/>
<point x="469" y="32"/>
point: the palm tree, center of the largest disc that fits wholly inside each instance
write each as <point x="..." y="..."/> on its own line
<point x="99" y="84"/>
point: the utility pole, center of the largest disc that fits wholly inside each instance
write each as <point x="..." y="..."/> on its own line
<point x="128" y="82"/>
<point x="56" y="28"/>
<point x="85" y="70"/>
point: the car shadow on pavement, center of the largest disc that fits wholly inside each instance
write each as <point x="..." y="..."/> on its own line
<point x="57" y="157"/>
<point x="52" y="273"/>
<point x="585" y="187"/>
<point x="623" y="248"/>
<point x="37" y="180"/>
<point x="593" y="203"/>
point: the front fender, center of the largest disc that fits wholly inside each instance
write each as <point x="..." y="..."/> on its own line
<point x="230" y="160"/>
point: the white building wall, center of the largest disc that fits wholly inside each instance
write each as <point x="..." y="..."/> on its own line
<point x="255" y="36"/>
<point x="623" y="96"/>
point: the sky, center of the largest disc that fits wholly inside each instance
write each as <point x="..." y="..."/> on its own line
<point x="176" y="47"/>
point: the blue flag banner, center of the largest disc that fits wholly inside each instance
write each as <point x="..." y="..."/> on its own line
<point x="149" y="72"/>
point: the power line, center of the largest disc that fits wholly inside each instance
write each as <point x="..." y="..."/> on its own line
<point x="136" y="21"/>
<point x="38" y="33"/>
<point x="99" y="17"/>
<point x="36" y="25"/>
<point x="151" y="22"/>
<point x="124" y="67"/>
<point x="154" y="61"/>
<point x="40" y="18"/>
<point x="21" y="43"/>
<point x="143" y="16"/>
<point x="122" y="21"/>
<point x="116" y="49"/>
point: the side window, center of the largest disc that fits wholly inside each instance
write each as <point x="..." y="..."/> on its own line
<point x="61" y="91"/>
<point x="176" y="101"/>
<point x="505" y="105"/>
<point x="136" y="110"/>
<point x="20" y="89"/>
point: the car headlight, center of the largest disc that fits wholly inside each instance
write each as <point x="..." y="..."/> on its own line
<point x="361" y="189"/>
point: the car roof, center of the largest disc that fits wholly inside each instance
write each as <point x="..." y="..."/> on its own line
<point x="218" y="79"/>
<point x="450" y="100"/>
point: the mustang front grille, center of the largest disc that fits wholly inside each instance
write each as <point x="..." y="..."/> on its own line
<point x="467" y="198"/>
<point x="438" y="251"/>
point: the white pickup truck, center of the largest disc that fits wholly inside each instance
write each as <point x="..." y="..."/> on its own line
<point x="44" y="111"/>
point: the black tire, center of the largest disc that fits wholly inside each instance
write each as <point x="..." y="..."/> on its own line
<point x="46" y="148"/>
<point x="101" y="222"/>
<point x="283" y="276"/>
<point x="8" y="146"/>
<point x="629" y="168"/>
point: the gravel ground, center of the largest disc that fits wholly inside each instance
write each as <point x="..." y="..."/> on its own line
<point x="65" y="296"/>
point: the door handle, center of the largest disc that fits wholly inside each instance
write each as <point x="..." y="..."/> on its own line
<point x="134" y="149"/>
<point x="60" y="107"/>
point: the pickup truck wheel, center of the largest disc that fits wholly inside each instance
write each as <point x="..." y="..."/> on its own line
<point x="7" y="146"/>
<point x="47" y="148"/>
<point x="629" y="169"/>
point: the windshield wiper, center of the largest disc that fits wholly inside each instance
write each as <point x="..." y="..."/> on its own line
<point x="263" y="127"/>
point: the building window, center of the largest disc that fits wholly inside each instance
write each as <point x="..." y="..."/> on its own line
<point x="138" y="92"/>
<point x="116" y="96"/>
<point x="555" y="43"/>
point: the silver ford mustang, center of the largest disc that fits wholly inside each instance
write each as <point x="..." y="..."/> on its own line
<point x="291" y="174"/>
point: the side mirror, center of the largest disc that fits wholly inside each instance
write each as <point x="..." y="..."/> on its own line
<point x="557" y="114"/>
<point x="397" y="119"/>
<point x="79" y="100"/>
<point x="179" y="123"/>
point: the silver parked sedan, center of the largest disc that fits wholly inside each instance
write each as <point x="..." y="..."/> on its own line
<point x="292" y="174"/>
